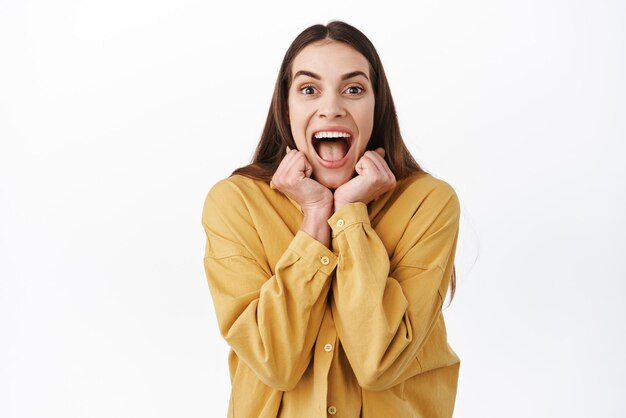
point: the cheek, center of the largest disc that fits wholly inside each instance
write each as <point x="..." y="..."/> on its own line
<point x="298" y="123"/>
<point x="364" y="116"/>
<point x="296" y="118"/>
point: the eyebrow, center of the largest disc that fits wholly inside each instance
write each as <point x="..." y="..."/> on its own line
<point x="318" y="77"/>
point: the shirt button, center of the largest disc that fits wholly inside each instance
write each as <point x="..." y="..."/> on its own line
<point x="332" y="410"/>
<point x="340" y="223"/>
<point x="328" y="348"/>
<point x="325" y="260"/>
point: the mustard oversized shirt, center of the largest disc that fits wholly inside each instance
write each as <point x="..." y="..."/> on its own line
<point x="351" y="331"/>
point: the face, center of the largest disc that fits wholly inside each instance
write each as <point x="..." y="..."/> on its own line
<point x="331" y="109"/>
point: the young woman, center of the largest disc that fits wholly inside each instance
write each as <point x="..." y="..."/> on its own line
<point x="328" y="258"/>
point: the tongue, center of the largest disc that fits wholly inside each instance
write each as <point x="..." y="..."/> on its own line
<point x="332" y="150"/>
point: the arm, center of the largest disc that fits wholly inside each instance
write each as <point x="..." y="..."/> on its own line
<point x="270" y="321"/>
<point x="384" y="318"/>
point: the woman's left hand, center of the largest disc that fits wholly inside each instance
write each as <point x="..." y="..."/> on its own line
<point x="373" y="179"/>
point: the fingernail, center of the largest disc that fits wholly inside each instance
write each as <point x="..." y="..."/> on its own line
<point x="288" y="149"/>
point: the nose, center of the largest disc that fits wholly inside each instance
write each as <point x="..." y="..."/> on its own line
<point x="331" y="106"/>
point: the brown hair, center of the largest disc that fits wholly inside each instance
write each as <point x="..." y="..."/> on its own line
<point x="277" y="135"/>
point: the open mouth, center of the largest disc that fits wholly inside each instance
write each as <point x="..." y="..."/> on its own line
<point x="332" y="146"/>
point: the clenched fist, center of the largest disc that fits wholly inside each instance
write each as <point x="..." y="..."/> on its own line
<point x="374" y="177"/>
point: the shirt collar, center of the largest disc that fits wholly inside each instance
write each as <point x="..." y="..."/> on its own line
<point x="295" y="203"/>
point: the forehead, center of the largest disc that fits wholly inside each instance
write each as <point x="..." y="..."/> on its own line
<point x="330" y="58"/>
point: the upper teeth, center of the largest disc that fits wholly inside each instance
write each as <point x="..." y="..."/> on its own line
<point x="331" y="134"/>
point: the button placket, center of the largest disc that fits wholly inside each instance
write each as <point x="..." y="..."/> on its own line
<point x="328" y="348"/>
<point x="322" y="361"/>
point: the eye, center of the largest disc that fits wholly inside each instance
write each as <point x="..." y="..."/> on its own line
<point x="355" y="90"/>
<point x="307" y="90"/>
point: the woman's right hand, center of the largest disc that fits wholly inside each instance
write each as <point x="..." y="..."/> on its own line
<point x="293" y="178"/>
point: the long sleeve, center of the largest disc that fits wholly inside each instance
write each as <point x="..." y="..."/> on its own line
<point x="269" y="318"/>
<point x="385" y="311"/>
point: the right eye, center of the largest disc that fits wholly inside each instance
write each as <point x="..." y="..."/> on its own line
<point x="307" y="90"/>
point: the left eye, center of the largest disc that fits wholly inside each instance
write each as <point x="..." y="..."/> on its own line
<point x="354" y="90"/>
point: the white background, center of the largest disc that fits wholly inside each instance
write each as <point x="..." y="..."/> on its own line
<point x="116" y="117"/>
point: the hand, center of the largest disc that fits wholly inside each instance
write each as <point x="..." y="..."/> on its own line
<point x="373" y="179"/>
<point x="293" y="178"/>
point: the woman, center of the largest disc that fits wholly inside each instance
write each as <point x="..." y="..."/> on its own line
<point x="328" y="258"/>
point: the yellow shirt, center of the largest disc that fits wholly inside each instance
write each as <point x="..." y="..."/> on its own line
<point x="352" y="331"/>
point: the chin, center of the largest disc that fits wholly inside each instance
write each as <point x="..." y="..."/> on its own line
<point x="332" y="180"/>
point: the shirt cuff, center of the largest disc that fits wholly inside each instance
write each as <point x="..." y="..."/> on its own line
<point x="313" y="251"/>
<point x="350" y="214"/>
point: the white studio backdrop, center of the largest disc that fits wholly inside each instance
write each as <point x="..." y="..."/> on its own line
<point x="117" y="117"/>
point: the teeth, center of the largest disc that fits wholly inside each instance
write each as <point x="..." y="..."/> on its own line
<point x="330" y="134"/>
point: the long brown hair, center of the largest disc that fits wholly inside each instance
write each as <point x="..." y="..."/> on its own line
<point x="277" y="135"/>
